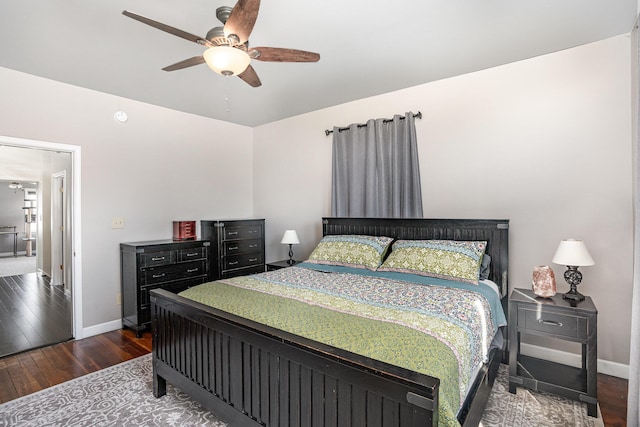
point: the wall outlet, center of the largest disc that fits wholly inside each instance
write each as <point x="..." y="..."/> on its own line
<point x="117" y="222"/>
<point x="119" y="298"/>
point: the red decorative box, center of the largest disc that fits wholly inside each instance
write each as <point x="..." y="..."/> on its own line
<point x="184" y="230"/>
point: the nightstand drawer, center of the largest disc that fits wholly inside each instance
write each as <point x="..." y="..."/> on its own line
<point x="559" y="324"/>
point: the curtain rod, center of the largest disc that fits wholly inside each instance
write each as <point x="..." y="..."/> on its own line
<point x="329" y="132"/>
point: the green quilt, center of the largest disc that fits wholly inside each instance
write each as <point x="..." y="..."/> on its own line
<point x="434" y="330"/>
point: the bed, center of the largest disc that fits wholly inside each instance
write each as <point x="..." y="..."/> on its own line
<point x="251" y="373"/>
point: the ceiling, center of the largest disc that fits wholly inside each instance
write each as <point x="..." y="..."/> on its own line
<point x="366" y="47"/>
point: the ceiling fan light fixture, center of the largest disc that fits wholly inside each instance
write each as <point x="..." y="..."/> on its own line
<point x="226" y="60"/>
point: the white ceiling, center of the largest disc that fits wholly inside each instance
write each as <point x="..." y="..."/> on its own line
<point x="20" y="164"/>
<point x="367" y="47"/>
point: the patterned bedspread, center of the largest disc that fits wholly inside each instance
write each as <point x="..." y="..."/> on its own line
<point x="436" y="327"/>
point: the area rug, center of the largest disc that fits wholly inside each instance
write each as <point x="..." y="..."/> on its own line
<point x="533" y="409"/>
<point x="15" y="266"/>
<point x="122" y="396"/>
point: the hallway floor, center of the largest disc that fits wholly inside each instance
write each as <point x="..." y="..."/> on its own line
<point x="32" y="313"/>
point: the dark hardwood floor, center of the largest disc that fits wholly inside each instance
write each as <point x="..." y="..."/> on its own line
<point x="32" y="313"/>
<point x="35" y="370"/>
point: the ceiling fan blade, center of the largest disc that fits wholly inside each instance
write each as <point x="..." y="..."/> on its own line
<point x="241" y="20"/>
<point x="249" y="75"/>
<point x="167" y="28"/>
<point x="196" y="60"/>
<point x="276" y="54"/>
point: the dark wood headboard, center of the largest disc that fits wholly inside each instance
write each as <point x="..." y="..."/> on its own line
<point x="494" y="232"/>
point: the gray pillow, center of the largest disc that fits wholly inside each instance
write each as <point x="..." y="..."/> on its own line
<point x="485" y="267"/>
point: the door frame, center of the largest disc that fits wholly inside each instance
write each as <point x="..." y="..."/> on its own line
<point x="73" y="183"/>
<point x="58" y="219"/>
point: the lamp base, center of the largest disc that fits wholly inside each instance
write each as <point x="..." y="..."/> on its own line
<point x="573" y="278"/>
<point x="291" y="261"/>
<point x="573" y="295"/>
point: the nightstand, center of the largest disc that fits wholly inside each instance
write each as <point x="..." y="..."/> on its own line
<point x="560" y="319"/>
<point x="277" y="265"/>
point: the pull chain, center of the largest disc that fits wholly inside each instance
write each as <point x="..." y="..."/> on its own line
<point x="226" y="94"/>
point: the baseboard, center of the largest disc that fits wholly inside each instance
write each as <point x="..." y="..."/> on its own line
<point x="101" y="328"/>
<point x="604" y="366"/>
<point x="11" y="254"/>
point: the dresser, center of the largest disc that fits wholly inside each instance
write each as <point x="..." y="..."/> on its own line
<point x="167" y="264"/>
<point x="237" y="247"/>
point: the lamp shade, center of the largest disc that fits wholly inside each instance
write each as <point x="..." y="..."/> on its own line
<point x="572" y="252"/>
<point x="226" y="60"/>
<point x="290" y="237"/>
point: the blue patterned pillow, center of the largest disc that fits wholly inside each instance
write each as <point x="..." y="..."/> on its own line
<point x="351" y="251"/>
<point x="444" y="259"/>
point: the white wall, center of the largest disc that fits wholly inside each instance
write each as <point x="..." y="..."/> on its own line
<point x="544" y="142"/>
<point x="159" y="166"/>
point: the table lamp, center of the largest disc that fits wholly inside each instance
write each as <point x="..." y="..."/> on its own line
<point x="573" y="253"/>
<point x="290" y="238"/>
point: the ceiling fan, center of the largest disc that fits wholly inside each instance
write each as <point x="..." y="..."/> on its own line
<point x="228" y="52"/>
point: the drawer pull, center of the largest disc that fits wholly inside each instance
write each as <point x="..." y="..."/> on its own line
<point x="253" y="246"/>
<point x="233" y="262"/>
<point x="550" y="322"/>
<point x="253" y="259"/>
<point x="193" y="253"/>
<point x="233" y="248"/>
<point x="192" y="270"/>
<point x="232" y="233"/>
<point x="157" y="258"/>
<point x="157" y="276"/>
<point x="253" y="231"/>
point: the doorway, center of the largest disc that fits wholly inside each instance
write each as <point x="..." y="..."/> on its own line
<point x="63" y="209"/>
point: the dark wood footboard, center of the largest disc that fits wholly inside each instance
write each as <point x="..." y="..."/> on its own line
<point x="249" y="374"/>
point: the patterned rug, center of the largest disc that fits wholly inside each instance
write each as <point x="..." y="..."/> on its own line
<point x="529" y="408"/>
<point x="122" y="396"/>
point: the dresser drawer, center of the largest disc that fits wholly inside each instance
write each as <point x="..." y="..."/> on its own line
<point x="242" y="271"/>
<point x="144" y="314"/>
<point x="564" y="325"/>
<point x="243" y="232"/>
<point x="242" y="247"/>
<point x="193" y="254"/>
<point x="244" y="260"/>
<point x="173" y="272"/>
<point x="175" y="287"/>
<point x="154" y="259"/>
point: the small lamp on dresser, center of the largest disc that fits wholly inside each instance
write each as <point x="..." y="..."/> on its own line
<point x="573" y="253"/>
<point x="290" y="238"/>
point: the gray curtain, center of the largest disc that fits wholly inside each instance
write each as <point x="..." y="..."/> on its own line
<point x="375" y="170"/>
<point x="633" y="408"/>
